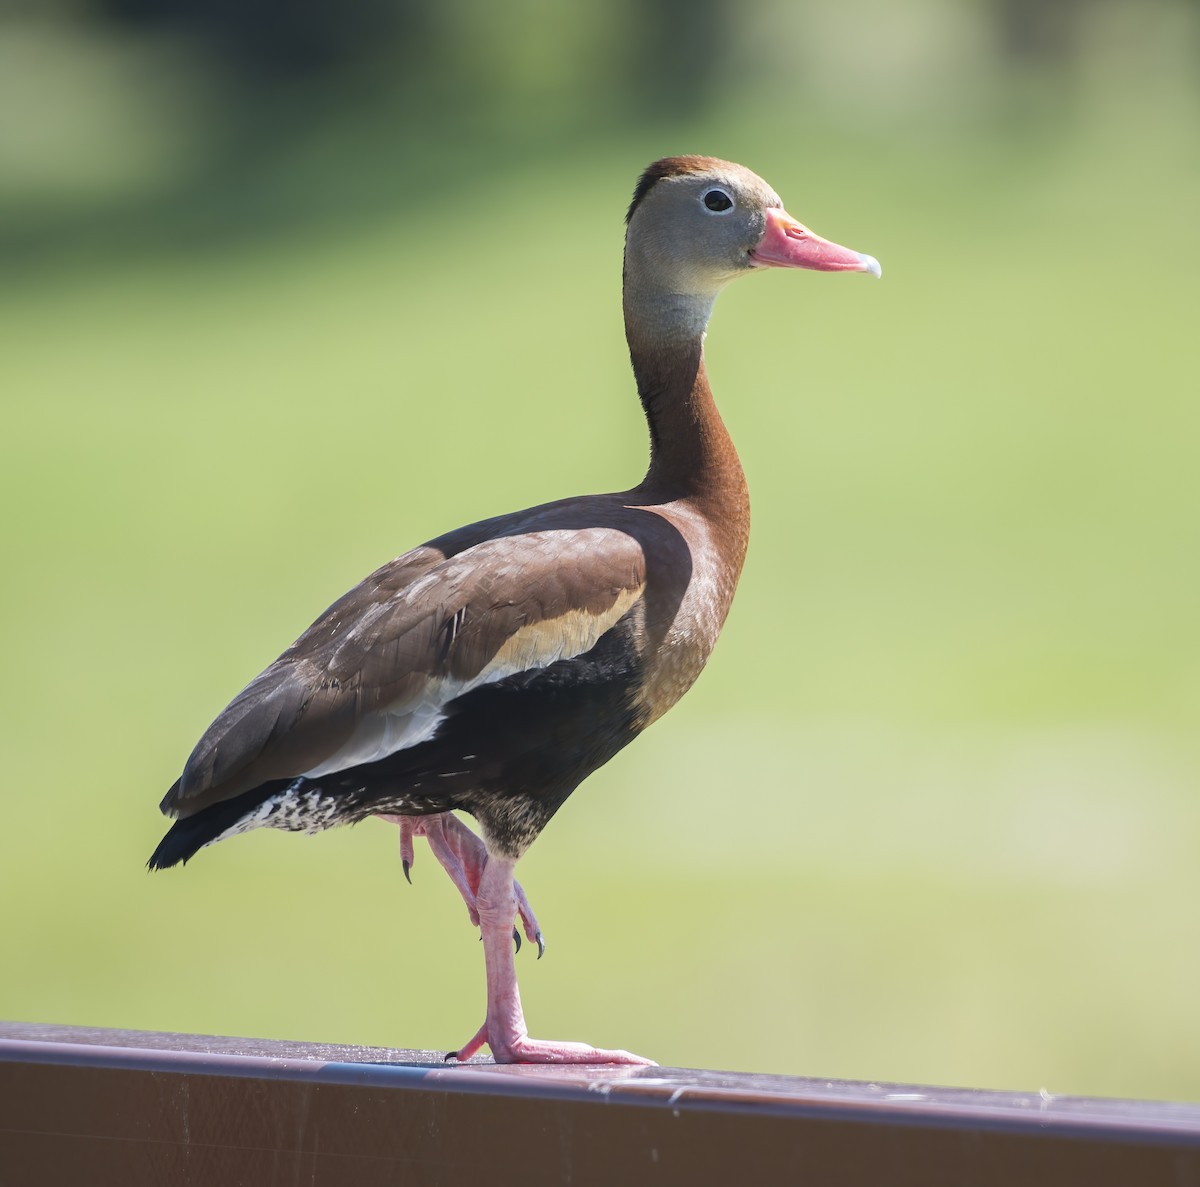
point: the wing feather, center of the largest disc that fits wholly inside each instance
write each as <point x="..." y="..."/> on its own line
<point x="371" y="674"/>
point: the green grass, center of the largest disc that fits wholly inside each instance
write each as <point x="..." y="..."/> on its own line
<point x="931" y="815"/>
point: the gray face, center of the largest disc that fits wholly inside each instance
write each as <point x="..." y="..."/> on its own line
<point x="695" y="233"/>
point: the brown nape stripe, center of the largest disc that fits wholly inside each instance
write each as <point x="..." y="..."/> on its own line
<point x="666" y="167"/>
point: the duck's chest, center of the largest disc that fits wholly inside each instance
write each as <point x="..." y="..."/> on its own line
<point x="681" y="630"/>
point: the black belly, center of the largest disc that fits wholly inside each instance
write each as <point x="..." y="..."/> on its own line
<point x="509" y="753"/>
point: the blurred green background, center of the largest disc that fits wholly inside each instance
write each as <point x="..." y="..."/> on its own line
<point x="288" y="288"/>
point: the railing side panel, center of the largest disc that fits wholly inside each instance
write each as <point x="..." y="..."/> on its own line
<point x="88" y="1119"/>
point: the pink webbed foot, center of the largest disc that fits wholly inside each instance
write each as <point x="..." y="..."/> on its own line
<point x="463" y="856"/>
<point x="504" y="1031"/>
<point x="523" y="1049"/>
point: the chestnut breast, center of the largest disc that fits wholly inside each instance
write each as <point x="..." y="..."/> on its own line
<point x="718" y="551"/>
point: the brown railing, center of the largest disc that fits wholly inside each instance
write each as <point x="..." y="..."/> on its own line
<point x="100" y="1107"/>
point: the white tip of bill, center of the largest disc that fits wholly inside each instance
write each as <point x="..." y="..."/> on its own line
<point x="870" y="264"/>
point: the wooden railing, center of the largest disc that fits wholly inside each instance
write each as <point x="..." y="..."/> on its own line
<point x="100" y="1107"/>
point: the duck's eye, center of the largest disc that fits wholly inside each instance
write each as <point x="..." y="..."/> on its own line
<point x="718" y="201"/>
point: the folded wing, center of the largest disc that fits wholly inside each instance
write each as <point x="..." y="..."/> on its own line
<point x="371" y="676"/>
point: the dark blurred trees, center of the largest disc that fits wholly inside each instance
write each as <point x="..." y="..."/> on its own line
<point x="675" y="52"/>
<point x="662" y="58"/>
<point x="663" y="55"/>
<point x="310" y="109"/>
<point x="266" y="40"/>
<point x="1038" y="32"/>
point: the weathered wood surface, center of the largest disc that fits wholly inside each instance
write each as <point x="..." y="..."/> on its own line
<point x="106" y="1107"/>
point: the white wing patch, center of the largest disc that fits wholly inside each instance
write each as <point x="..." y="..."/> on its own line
<point x="379" y="734"/>
<point x="411" y="722"/>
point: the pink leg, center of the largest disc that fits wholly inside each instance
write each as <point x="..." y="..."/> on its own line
<point x="504" y="1030"/>
<point x="463" y="856"/>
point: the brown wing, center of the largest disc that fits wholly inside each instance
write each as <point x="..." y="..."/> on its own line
<point x="370" y="675"/>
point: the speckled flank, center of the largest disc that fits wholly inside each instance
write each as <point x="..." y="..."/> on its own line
<point x="300" y="808"/>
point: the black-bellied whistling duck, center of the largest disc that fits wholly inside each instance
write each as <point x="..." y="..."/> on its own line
<point x="494" y="668"/>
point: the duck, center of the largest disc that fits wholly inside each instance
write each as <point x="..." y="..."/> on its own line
<point x="490" y="670"/>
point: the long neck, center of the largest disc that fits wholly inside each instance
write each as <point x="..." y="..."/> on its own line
<point x="691" y="453"/>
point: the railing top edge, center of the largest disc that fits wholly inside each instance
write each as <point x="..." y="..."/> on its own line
<point x="676" y="1088"/>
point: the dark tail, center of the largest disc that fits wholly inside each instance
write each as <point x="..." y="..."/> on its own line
<point x="188" y="836"/>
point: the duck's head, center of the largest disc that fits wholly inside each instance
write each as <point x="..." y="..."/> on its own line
<point x="696" y="223"/>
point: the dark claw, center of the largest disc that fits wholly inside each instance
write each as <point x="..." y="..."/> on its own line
<point x="516" y="939"/>
<point x="407" y="878"/>
<point x="541" y="943"/>
<point x="449" y="1056"/>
